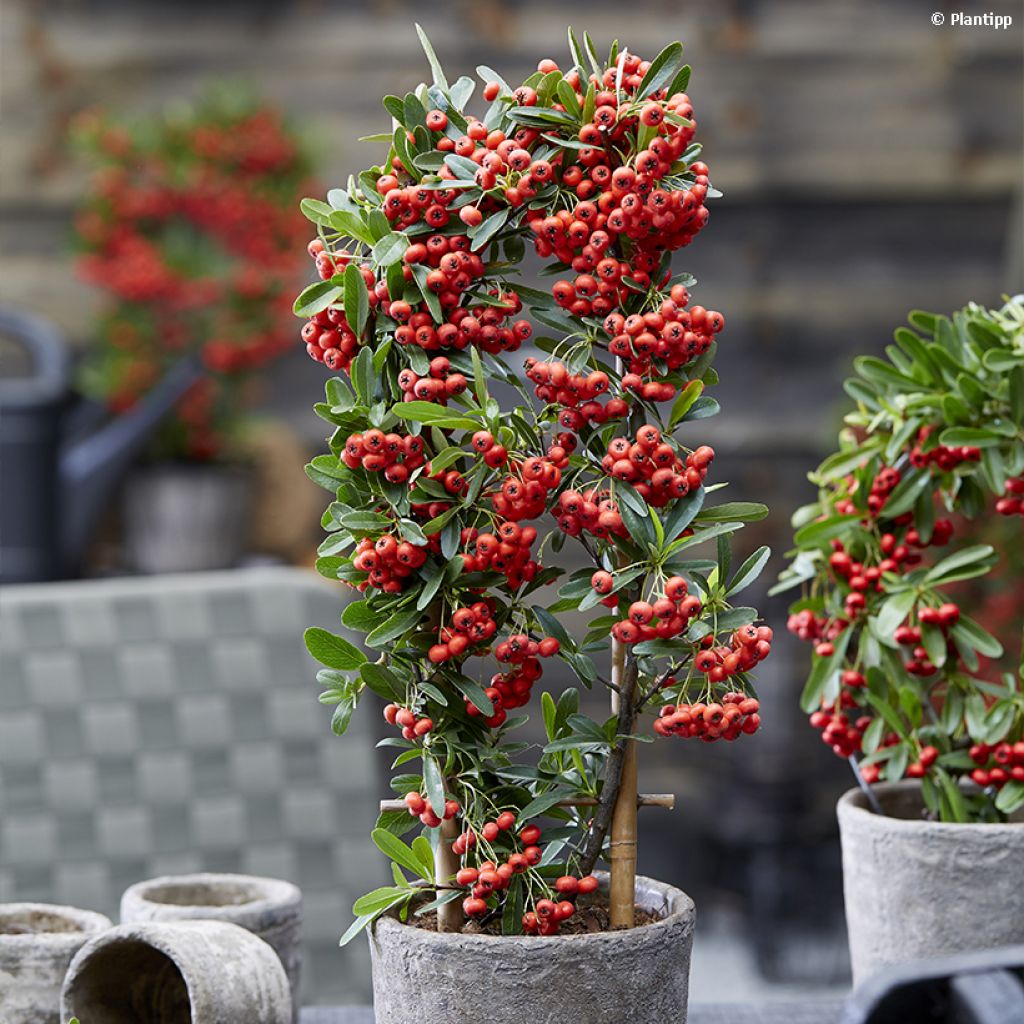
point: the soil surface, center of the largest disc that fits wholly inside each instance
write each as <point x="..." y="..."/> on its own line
<point x="591" y="916"/>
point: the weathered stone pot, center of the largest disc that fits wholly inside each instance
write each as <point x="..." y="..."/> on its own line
<point x="267" y="907"/>
<point x="185" y="517"/>
<point x="641" y="975"/>
<point x="37" y="942"/>
<point x="917" y="889"/>
<point x="177" y="972"/>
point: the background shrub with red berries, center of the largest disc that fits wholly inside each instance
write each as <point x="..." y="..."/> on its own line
<point x="190" y="229"/>
<point x="449" y="508"/>
<point x="896" y="682"/>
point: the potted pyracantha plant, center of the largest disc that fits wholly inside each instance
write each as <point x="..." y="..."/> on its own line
<point x="190" y="230"/>
<point x="933" y="860"/>
<point x="451" y="507"/>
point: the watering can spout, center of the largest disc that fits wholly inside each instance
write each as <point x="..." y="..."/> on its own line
<point x="90" y="469"/>
<point x="54" y="487"/>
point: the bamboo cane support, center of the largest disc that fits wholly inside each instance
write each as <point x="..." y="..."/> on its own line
<point x="446" y="863"/>
<point x="622" y="844"/>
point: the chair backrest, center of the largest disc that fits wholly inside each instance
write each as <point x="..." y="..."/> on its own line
<point x="161" y="725"/>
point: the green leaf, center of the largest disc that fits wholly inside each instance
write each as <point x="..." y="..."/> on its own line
<point x="662" y="70"/>
<point x="975" y="437"/>
<point x="364" y="522"/>
<point x="1017" y="394"/>
<point x="364" y="380"/>
<point x="357" y="299"/>
<point x="682" y="513"/>
<point x="375" y="903"/>
<point x="394" y="627"/>
<point x="684" y="400"/>
<point x="749" y="571"/>
<point x="393" y="847"/>
<point x="333" y="651"/>
<point x="968" y="633"/>
<point x="962" y="565"/>
<point x="1011" y="797"/>
<point x="383" y="682"/>
<point x="824" y="672"/>
<point x="433" y="782"/>
<point x="316" y="298"/>
<point x="474" y="693"/>
<point x="483" y="232"/>
<point x="892" y="613"/>
<point x="824" y="530"/>
<point x="434" y="415"/>
<point x="390" y="249"/>
<point x="435" y="65"/>
<point x="356" y="927"/>
<point x="734" y="512"/>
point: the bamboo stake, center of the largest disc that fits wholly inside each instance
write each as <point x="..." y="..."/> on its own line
<point x="446" y="863"/>
<point x="622" y="845"/>
<point x="666" y="800"/>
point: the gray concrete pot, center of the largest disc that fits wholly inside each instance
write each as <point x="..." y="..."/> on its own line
<point x="641" y="975"/>
<point x="917" y="889"/>
<point x="185" y="518"/>
<point x="37" y="942"/>
<point x="177" y="972"/>
<point x="267" y="907"/>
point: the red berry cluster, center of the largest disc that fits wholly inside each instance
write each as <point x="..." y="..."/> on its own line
<point x="438" y="385"/>
<point x="998" y="764"/>
<point x="945" y="458"/>
<point x="483" y="325"/>
<point x="228" y="177"/>
<point x="388" y="560"/>
<point x="666" y="617"/>
<point x="469" y="626"/>
<point x="412" y="725"/>
<point x="672" y="334"/>
<point x="391" y="454"/>
<point x="736" y="715"/>
<point x="524" y="492"/>
<point x="652" y="466"/>
<point x="576" y="393"/>
<point x="548" y="914"/>
<point x="841" y="731"/>
<point x="1012" y="501"/>
<point x="749" y="645"/>
<point x="420" y="807"/>
<point x="506" y="550"/>
<point x="512" y="689"/>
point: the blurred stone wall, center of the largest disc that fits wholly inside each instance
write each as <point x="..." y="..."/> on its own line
<point x="871" y="163"/>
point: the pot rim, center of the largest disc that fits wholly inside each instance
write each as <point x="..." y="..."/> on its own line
<point x="686" y="912"/>
<point x="90" y="924"/>
<point x="853" y="804"/>
<point x="276" y="893"/>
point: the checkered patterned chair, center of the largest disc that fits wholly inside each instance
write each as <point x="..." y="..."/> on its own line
<point x="170" y="724"/>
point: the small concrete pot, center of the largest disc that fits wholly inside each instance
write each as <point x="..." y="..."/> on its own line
<point x="37" y="942"/>
<point x="267" y="907"/>
<point x="918" y="889"/>
<point x="185" y="517"/>
<point x="177" y="972"/>
<point x="641" y="975"/>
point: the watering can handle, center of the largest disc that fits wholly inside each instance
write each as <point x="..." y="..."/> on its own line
<point x="44" y="344"/>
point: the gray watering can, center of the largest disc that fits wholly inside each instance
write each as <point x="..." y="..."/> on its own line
<point x="58" y="464"/>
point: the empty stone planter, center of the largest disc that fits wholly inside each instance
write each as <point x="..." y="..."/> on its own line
<point x="917" y="889"/>
<point x="37" y="942"/>
<point x="177" y="972"/>
<point x="268" y="907"/>
<point x="641" y="975"/>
